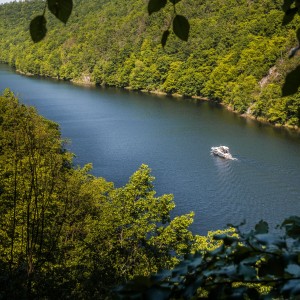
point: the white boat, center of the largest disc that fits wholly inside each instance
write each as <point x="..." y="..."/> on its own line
<point x="221" y="151"/>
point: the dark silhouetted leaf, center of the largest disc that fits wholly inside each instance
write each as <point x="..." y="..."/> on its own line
<point x="274" y="266"/>
<point x="61" y="9"/>
<point x="262" y="227"/>
<point x="156" y="5"/>
<point x="289" y="15"/>
<point x="290" y="288"/>
<point x="218" y="250"/>
<point x="253" y="293"/>
<point x="175" y="1"/>
<point x="158" y="293"/>
<point x="292" y="83"/>
<point x="293" y="269"/>
<point x="247" y="272"/>
<point x="271" y="240"/>
<point x="38" y="28"/>
<point x="181" y="27"/>
<point x="220" y="236"/>
<point x="164" y="38"/>
<point x="287" y="5"/>
<point x="292" y="224"/>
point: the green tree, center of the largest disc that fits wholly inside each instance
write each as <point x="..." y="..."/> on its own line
<point x="34" y="168"/>
<point x="128" y="233"/>
<point x="65" y="233"/>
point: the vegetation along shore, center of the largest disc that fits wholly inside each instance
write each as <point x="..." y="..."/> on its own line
<point x="237" y="52"/>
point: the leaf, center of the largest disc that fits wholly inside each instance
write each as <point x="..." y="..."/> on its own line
<point x="157" y="293"/>
<point x="270" y="240"/>
<point x="253" y="293"/>
<point x="221" y="236"/>
<point x="290" y="288"/>
<point x="262" y="227"/>
<point x="61" y="9"/>
<point x="217" y="251"/>
<point x="156" y="5"/>
<point x="248" y="273"/>
<point x="273" y="267"/>
<point x="181" y="27"/>
<point x="38" y="28"/>
<point x="287" y="5"/>
<point x="164" y="38"/>
<point x="242" y="254"/>
<point x="292" y="224"/>
<point x="293" y="269"/>
<point x="289" y="15"/>
<point x="174" y="1"/>
<point x="190" y="290"/>
<point x="292" y="83"/>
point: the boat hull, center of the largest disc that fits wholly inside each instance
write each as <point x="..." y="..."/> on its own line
<point x="220" y="151"/>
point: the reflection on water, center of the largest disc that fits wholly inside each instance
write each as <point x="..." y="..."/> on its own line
<point x="119" y="130"/>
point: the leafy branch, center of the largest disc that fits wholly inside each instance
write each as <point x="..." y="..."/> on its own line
<point x="232" y="270"/>
<point x="180" y="24"/>
<point x="61" y="9"/>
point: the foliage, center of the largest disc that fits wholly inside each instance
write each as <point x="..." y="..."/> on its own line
<point x="65" y="233"/>
<point x="62" y="10"/>
<point x="33" y="196"/>
<point x="233" y="270"/>
<point x="181" y="27"/>
<point x="231" y="49"/>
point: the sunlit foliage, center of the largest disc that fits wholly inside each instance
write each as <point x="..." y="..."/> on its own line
<point x="65" y="233"/>
<point x="236" y="50"/>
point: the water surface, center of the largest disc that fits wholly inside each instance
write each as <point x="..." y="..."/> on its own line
<point x="118" y="130"/>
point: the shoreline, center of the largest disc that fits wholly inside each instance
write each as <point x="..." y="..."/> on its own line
<point x="86" y="82"/>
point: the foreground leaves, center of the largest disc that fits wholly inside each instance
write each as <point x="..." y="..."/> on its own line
<point x="292" y="83"/>
<point x="257" y="265"/>
<point x="61" y="9"/>
<point x="181" y="27"/>
<point x="156" y="5"/>
<point x="38" y="28"/>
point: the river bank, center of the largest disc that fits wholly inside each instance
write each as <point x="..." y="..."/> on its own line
<point x="86" y="81"/>
<point x="117" y="131"/>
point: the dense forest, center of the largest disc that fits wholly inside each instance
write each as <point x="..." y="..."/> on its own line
<point x="236" y="54"/>
<point x="66" y="234"/>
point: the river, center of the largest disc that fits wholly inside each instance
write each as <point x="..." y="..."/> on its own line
<point x="119" y="130"/>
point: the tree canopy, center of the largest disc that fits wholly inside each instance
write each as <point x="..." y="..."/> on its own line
<point x="180" y="25"/>
<point x="65" y="233"/>
<point x="236" y="53"/>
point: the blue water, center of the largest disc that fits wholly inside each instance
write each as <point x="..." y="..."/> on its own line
<point x="118" y="130"/>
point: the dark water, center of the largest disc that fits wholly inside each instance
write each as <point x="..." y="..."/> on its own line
<point x="118" y="131"/>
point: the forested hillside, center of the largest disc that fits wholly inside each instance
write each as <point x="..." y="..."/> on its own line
<point x="237" y="52"/>
<point x="66" y="234"/>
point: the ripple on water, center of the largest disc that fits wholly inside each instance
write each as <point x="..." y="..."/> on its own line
<point x="118" y="131"/>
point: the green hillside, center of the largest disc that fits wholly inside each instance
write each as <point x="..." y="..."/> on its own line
<point x="237" y="52"/>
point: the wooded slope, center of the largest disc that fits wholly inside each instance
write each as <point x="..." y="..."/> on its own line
<point x="237" y="52"/>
